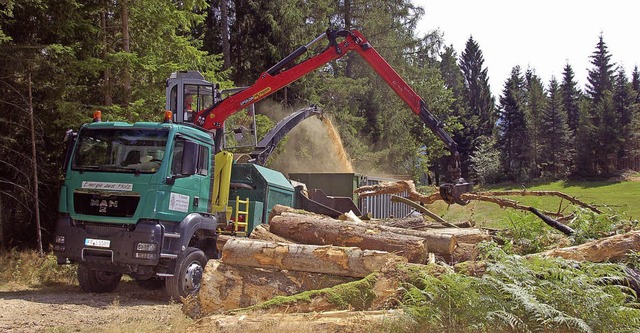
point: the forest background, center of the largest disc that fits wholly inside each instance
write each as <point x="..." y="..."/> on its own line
<point x="63" y="59"/>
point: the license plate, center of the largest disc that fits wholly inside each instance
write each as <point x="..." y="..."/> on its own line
<point x="97" y="242"/>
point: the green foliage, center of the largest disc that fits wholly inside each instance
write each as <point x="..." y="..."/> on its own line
<point x="485" y="162"/>
<point x="26" y="268"/>
<point x="519" y="294"/>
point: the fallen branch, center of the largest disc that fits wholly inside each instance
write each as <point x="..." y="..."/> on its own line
<point x="565" y="196"/>
<point x="409" y="186"/>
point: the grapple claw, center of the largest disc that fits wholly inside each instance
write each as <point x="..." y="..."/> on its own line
<point x="451" y="193"/>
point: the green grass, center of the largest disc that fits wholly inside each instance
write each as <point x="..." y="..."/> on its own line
<point x="617" y="197"/>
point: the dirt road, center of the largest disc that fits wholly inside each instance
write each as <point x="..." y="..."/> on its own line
<point x="133" y="309"/>
<point x="68" y="309"/>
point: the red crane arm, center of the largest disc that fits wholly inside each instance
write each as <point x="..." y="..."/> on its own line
<point x="276" y="78"/>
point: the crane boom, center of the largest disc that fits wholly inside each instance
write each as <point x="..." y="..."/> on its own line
<point x="277" y="77"/>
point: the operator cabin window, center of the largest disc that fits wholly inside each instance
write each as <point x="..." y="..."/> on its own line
<point x="202" y="153"/>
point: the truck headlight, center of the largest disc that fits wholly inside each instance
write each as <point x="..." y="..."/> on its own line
<point x="59" y="239"/>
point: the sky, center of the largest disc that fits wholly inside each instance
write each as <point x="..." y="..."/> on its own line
<point x="543" y="35"/>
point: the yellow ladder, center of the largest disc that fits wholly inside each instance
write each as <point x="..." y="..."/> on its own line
<point x="244" y="224"/>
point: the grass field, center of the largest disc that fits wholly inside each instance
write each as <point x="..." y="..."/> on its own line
<point x="616" y="197"/>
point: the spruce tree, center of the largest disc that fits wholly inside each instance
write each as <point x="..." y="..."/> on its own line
<point x="602" y="113"/>
<point x="513" y="139"/>
<point x="556" y="140"/>
<point x="623" y="98"/>
<point x="479" y="99"/>
<point x="535" y="106"/>
<point x="600" y="77"/>
<point x="570" y="97"/>
<point x="454" y="81"/>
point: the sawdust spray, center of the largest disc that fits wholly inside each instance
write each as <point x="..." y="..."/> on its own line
<point x="314" y="145"/>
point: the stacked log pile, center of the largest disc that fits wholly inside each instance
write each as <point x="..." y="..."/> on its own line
<point x="300" y="251"/>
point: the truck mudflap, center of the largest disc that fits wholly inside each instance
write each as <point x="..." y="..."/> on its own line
<point x="119" y="248"/>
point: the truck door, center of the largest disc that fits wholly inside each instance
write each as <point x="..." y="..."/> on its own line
<point x="190" y="173"/>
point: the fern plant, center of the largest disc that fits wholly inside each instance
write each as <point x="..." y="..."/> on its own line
<point x="525" y="294"/>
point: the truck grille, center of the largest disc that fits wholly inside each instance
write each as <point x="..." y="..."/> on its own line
<point x="100" y="204"/>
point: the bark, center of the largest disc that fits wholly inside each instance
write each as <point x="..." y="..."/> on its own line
<point x="324" y="231"/>
<point x="600" y="250"/>
<point x="262" y="232"/>
<point x="342" y="261"/>
<point x="226" y="287"/>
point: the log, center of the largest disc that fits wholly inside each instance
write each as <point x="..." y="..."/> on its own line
<point x="262" y="232"/>
<point x="325" y="231"/>
<point x="342" y="261"/>
<point x="440" y="241"/>
<point x="226" y="287"/>
<point x="600" y="250"/>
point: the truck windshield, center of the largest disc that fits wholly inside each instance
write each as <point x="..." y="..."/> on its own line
<point x="119" y="150"/>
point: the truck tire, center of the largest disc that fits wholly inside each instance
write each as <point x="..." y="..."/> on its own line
<point x="95" y="281"/>
<point x="187" y="277"/>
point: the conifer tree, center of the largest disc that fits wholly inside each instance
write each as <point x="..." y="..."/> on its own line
<point x="556" y="140"/>
<point x="454" y="81"/>
<point x="600" y="77"/>
<point x="479" y="99"/>
<point x="535" y="106"/>
<point x="478" y="117"/>
<point x="513" y="139"/>
<point x="623" y="99"/>
<point x="570" y="97"/>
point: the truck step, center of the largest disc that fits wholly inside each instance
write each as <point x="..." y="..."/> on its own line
<point x="171" y="235"/>
<point x="168" y="256"/>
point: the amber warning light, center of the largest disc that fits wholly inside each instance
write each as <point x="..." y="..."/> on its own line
<point x="97" y="116"/>
<point x="167" y="116"/>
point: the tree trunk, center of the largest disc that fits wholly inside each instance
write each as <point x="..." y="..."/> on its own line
<point x="34" y="165"/>
<point x="106" y="75"/>
<point x="126" y="75"/>
<point x="226" y="48"/>
<point x="600" y="250"/>
<point x="226" y="287"/>
<point x="342" y="261"/>
<point x="319" y="231"/>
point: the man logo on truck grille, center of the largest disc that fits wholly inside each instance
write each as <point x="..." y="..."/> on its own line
<point x="103" y="204"/>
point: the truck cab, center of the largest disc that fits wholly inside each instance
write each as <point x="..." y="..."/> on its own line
<point x="136" y="200"/>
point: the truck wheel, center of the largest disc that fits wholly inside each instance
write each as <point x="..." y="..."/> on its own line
<point x="188" y="274"/>
<point x="94" y="281"/>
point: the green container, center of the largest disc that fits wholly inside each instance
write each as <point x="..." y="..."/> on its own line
<point x="267" y="186"/>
